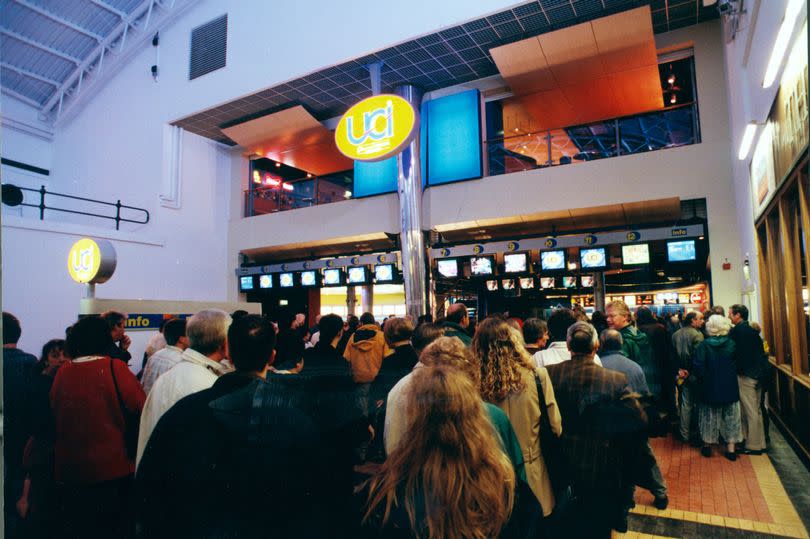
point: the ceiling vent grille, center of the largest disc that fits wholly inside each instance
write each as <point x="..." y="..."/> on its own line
<point x="209" y="46"/>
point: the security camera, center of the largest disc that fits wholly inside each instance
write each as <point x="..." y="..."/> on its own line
<point x="726" y="7"/>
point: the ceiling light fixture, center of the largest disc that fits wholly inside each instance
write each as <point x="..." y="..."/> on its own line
<point x="781" y="43"/>
<point x="747" y="140"/>
<point x="673" y="99"/>
<point x="278" y="164"/>
<point x="671" y="79"/>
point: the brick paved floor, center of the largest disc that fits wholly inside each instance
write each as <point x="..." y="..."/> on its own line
<point x="714" y="497"/>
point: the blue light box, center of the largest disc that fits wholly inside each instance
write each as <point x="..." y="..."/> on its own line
<point x="453" y="138"/>
<point x="375" y="178"/>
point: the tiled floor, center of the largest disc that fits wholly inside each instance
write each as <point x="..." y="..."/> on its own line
<point x="755" y="497"/>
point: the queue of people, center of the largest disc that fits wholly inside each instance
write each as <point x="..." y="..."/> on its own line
<point x="508" y="428"/>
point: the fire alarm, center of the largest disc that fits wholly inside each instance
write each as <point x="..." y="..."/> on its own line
<point x="726" y="265"/>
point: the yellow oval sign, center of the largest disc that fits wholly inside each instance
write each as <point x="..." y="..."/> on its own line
<point x="376" y="128"/>
<point x="90" y="261"/>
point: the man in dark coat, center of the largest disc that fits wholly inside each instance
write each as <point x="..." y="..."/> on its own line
<point x="457" y="322"/>
<point x="752" y="373"/>
<point x="603" y="421"/>
<point x="18" y="369"/>
<point x="188" y="482"/>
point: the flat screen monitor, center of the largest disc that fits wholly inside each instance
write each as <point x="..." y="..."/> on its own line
<point x="593" y="258"/>
<point x="357" y="275"/>
<point x="384" y="273"/>
<point x="569" y="281"/>
<point x="526" y="283"/>
<point x="547" y="282"/>
<point x="516" y="262"/>
<point x="552" y="260"/>
<point x="636" y="254"/>
<point x="285" y="280"/>
<point x="684" y="298"/>
<point x="246" y="283"/>
<point x="508" y="284"/>
<point x="265" y="281"/>
<point x="332" y="277"/>
<point x="586" y="281"/>
<point x="492" y="285"/>
<point x="447" y="267"/>
<point x="308" y="278"/>
<point x="681" y="251"/>
<point x="630" y="301"/>
<point x="482" y="265"/>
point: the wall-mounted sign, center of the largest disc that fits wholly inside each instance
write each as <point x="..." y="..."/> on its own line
<point x="590" y="239"/>
<point x="91" y="261"/>
<point x="445" y="252"/>
<point x="633" y="236"/>
<point x="512" y="246"/>
<point x="376" y="128"/>
<point x="478" y="249"/>
<point x="763" y="178"/>
<point x="679" y="232"/>
<point x="550" y="242"/>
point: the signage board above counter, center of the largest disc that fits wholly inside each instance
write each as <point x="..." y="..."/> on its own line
<point x="376" y="128"/>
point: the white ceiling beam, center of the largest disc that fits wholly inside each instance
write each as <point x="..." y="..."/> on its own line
<point x="40" y="46"/>
<point x="26" y="73"/>
<point x="25" y="99"/>
<point x="57" y="19"/>
<point x="107" y="7"/>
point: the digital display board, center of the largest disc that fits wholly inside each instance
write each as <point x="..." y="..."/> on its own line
<point x="636" y="254"/>
<point x="447" y="267"/>
<point x="308" y="278"/>
<point x="515" y="262"/>
<point x="526" y="283"/>
<point x="265" y="281"/>
<point x="593" y="258"/>
<point x="552" y="260"/>
<point x="508" y="284"/>
<point x="384" y="273"/>
<point x="492" y="286"/>
<point x="548" y="282"/>
<point x="331" y="277"/>
<point x="285" y="280"/>
<point x="586" y="281"/>
<point x="569" y="281"/>
<point x="246" y="283"/>
<point x="681" y="251"/>
<point x="357" y="275"/>
<point x="481" y="265"/>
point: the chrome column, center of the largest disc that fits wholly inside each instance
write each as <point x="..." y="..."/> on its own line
<point x="409" y="187"/>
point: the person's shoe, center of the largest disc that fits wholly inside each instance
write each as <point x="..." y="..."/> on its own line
<point x="661" y="502"/>
<point x="730" y="456"/>
<point x="706" y="451"/>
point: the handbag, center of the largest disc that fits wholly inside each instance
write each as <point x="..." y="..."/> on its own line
<point x="132" y="421"/>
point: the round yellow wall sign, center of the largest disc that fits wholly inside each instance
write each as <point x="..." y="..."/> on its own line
<point x="376" y="128"/>
<point x="91" y="261"/>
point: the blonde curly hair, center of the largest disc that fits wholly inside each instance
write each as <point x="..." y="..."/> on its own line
<point x="499" y="350"/>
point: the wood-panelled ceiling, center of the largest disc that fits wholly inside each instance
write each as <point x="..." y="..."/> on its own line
<point x="293" y="137"/>
<point x="593" y="71"/>
<point x="629" y="215"/>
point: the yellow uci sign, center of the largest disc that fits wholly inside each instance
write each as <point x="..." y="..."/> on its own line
<point x="376" y="128"/>
<point x="91" y="261"/>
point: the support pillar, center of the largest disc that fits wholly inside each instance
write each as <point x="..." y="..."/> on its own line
<point x="367" y="298"/>
<point x="409" y="187"/>
<point x="599" y="291"/>
<point x="351" y="300"/>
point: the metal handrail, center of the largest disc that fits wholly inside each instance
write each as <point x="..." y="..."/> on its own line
<point x="117" y="205"/>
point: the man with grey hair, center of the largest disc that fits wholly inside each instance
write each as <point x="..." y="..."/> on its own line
<point x="685" y="340"/>
<point x="610" y="344"/>
<point x="199" y="367"/>
<point x="601" y="417"/>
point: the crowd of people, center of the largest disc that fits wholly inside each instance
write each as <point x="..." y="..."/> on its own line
<point x="239" y="427"/>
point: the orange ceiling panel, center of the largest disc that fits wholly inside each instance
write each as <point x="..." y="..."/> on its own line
<point x="601" y="69"/>
<point x="293" y="137"/>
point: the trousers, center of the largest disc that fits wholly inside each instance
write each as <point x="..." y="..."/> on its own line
<point x="688" y="415"/>
<point x="753" y="428"/>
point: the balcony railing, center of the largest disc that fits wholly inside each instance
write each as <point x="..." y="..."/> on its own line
<point x="673" y="127"/>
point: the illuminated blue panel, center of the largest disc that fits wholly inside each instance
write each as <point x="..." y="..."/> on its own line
<point x="375" y="178"/>
<point x="453" y="138"/>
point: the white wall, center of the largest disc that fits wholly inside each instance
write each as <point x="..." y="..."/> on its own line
<point x="747" y="58"/>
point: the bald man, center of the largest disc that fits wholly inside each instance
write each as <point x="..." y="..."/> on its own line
<point x="457" y="322"/>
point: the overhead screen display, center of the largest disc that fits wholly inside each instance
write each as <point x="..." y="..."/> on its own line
<point x="515" y="263"/>
<point x="552" y="260"/>
<point x="357" y="275"/>
<point x="681" y="251"/>
<point x="447" y="267"/>
<point x="384" y="273"/>
<point x="453" y="137"/>
<point x="265" y="281"/>
<point x="246" y="283"/>
<point x="481" y="265"/>
<point x="569" y="281"/>
<point x="308" y="278"/>
<point x="285" y="280"/>
<point x="595" y="258"/>
<point x="526" y="283"/>
<point x="548" y="282"/>
<point x="636" y="254"/>
<point x="508" y="284"/>
<point x="331" y="277"/>
<point x="586" y="281"/>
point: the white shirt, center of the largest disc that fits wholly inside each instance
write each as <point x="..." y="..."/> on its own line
<point x="557" y="352"/>
<point x="195" y="372"/>
<point x="159" y="363"/>
<point x="155" y="343"/>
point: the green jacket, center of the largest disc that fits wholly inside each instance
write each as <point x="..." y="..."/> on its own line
<point x="452" y="329"/>
<point x="636" y="346"/>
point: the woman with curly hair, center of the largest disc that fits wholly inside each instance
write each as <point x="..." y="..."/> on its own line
<point x="451" y="480"/>
<point x="509" y="381"/>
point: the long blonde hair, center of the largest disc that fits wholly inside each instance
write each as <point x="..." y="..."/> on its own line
<point x="451" y="460"/>
<point x="499" y="351"/>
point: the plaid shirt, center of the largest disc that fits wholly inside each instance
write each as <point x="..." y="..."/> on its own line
<point x="601" y="421"/>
